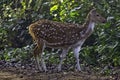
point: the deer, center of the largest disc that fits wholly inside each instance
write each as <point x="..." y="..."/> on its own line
<point x="64" y="36"/>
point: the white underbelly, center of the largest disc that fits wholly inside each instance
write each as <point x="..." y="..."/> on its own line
<point x="79" y="43"/>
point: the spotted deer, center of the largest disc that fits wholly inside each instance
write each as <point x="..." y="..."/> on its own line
<point x="63" y="36"/>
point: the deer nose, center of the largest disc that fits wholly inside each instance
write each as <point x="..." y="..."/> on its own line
<point x="104" y="21"/>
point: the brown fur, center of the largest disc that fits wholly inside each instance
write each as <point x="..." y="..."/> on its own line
<point x="61" y="35"/>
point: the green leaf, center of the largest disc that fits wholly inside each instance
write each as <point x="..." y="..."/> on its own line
<point x="55" y="7"/>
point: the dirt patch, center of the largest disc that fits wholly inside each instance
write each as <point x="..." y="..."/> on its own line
<point x="11" y="71"/>
<point x="18" y="74"/>
<point x="9" y="76"/>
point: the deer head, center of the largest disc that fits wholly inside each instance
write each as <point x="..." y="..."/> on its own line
<point x="94" y="16"/>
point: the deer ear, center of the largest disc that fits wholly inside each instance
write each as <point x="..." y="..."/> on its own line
<point x="93" y="10"/>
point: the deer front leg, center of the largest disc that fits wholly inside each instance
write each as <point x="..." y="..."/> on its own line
<point x="62" y="56"/>
<point x="76" y="54"/>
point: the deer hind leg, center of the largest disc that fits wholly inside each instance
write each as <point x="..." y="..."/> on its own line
<point x="42" y="58"/>
<point x="62" y="56"/>
<point x="37" y="59"/>
<point x="76" y="54"/>
<point x="39" y="55"/>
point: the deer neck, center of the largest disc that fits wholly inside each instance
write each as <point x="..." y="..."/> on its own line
<point x="88" y="27"/>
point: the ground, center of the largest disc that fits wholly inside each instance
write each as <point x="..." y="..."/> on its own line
<point x="17" y="71"/>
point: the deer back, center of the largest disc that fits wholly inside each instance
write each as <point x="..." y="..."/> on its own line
<point x="56" y="33"/>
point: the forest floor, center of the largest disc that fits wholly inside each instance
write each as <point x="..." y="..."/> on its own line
<point x="16" y="71"/>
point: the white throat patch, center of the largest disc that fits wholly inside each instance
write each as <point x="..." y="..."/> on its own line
<point x="91" y="26"/>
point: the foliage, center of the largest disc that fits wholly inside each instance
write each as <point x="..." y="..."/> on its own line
<point x="101" y="49"/>
<point x="16" y="54"/>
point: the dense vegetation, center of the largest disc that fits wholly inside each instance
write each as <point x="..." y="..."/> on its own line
<point x="101" y="50"/>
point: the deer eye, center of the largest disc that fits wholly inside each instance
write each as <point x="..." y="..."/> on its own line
<point x="97" y="15"/>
